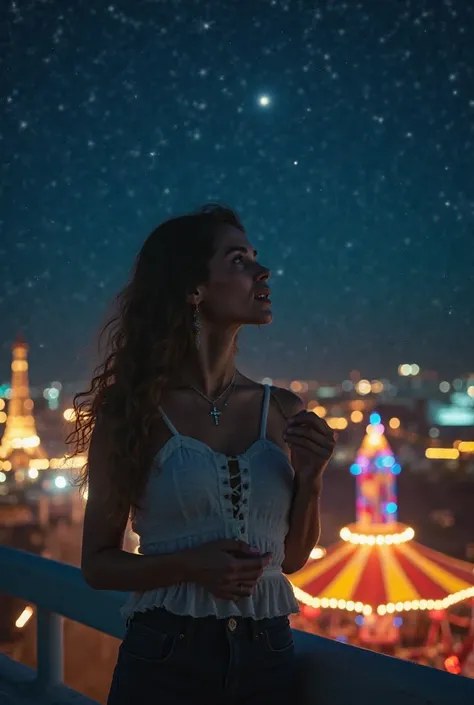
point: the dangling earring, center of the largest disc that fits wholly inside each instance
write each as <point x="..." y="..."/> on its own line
<point x="197" y="326"/>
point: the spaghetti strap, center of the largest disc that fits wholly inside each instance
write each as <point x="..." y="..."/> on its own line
<point x="266" y="401"/>
<point x="172" y="428"/>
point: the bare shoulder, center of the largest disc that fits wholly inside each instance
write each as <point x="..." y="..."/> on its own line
<point x="286" y="401"/>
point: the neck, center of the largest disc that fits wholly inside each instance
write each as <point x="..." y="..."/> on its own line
<point x="212" y="367"/>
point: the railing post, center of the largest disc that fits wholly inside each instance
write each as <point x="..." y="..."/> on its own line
<point x="49" y="649"/>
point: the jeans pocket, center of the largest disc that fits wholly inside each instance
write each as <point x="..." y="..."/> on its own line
<point x="279" y="637"/>
<point x="146" y="644"/>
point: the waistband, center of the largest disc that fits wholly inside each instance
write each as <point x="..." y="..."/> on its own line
<point x="161" y="619"/>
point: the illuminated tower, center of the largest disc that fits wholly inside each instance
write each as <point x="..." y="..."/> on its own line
<point x="375" y="470"/>
<point x="20" y="443"/>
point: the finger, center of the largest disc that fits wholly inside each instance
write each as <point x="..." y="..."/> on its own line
<point x="311" y="419"/>
<point x="247" y="575"/>
<point x="251" y="566"/>
<point x="235" y="586"/>
<point x="312" y="435"/>
<point x="297" y="442"/>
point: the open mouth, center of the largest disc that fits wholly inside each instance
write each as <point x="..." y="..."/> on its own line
<point x="262" y="297"/>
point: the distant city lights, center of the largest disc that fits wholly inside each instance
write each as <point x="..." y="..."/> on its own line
<point x="442" y="453"/>
<point x="408" y="370"/>
<point x="363" y="387"/>
<point x="69" y="415"/>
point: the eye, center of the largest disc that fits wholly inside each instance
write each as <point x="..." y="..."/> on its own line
<point x="238" y="259"/>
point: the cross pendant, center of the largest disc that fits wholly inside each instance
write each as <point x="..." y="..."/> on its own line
<point x="215" y="413"/>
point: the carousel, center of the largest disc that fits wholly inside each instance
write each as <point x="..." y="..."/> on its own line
<point x="377" y="571"/>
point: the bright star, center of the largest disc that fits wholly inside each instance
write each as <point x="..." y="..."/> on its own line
<point x="264" y="101"/>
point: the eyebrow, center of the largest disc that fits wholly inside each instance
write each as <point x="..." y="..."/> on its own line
<point x="239" y="248"/>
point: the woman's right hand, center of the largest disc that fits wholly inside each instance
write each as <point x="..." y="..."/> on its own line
<point x="215" y="566"/>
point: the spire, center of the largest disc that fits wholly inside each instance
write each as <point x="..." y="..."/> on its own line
<point x="20" y="341"/>
<point x="20" y="442"/>
<point x="375" y="470"/>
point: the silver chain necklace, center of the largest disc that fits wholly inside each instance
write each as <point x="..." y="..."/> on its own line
<point x="215" y="413"/>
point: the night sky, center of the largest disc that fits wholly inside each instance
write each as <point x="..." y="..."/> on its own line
<point x="343" y="132"/>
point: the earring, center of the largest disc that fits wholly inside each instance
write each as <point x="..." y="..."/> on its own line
<point x="197" y="326"/>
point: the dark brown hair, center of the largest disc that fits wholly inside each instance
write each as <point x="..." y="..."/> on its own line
<point x="145" y="342"/>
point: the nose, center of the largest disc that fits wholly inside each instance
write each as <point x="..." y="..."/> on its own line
<point x="263" y="274"/>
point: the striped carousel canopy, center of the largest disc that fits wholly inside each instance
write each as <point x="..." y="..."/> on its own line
<point x="383" y="572"/>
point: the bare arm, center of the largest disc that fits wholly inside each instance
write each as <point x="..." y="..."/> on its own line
<point x="105" y="565"/>
<point x="304" y="521"/>
<point x="305" y="527"/>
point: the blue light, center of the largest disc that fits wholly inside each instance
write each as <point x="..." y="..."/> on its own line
<point x="388" y="461"/>
<point x="397" y="622"/>
<point x="342" y="638"/>
<point x="359" y="620"/>
<point x="395" y="469"/>
<point x="375" y="419"/>
<point x="391" y="508"/>
<point x="355" y="469"/>
<point x="379" y="463"/>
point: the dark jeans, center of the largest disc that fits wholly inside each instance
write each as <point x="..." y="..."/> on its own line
<point x="166" y="659"/>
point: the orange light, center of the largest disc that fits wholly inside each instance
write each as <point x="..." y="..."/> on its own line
<point x="442" y="453"/>
<point x="383" y="609"/>
<point x="24" y="617"/>
<point x="466" y="447"/>
<point x="317" y="553"/>
<point x="320" y="411"/>
<point x="377" y="539"/>
<point x="452" y="665"/>
<point x="377" y="386"/>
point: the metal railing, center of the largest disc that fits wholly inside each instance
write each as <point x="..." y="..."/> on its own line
<point x="331" y="673"/>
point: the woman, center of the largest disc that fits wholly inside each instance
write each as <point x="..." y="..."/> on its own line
<point x="221" y="476"/>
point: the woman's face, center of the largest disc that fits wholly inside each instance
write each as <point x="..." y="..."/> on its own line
<point x="236" y="280"/>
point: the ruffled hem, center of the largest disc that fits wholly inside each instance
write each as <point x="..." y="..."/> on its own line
<point x="273" y="597"/>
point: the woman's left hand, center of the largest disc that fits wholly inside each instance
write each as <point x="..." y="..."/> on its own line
<point x="312" y="443"/>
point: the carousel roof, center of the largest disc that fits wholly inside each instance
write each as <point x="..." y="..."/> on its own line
<point x="383" y="572"/>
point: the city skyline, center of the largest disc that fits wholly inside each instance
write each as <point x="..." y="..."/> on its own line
<point x="343" y="135"/>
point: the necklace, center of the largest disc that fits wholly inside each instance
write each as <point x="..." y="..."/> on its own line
<point x="215" y="413"/>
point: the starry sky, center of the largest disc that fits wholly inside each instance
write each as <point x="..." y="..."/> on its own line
<point x="342" y="132"/>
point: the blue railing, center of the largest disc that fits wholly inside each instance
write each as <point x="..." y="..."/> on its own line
<point x="330" y="673"/>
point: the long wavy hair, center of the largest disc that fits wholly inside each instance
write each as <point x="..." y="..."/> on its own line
<point x="145" y="342"/>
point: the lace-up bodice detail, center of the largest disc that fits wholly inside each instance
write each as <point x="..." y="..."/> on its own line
<point x="199" y="495"/>
<point x="236" y="488"/>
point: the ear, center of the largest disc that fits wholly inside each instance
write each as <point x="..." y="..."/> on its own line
<point x="194" y="298"/>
